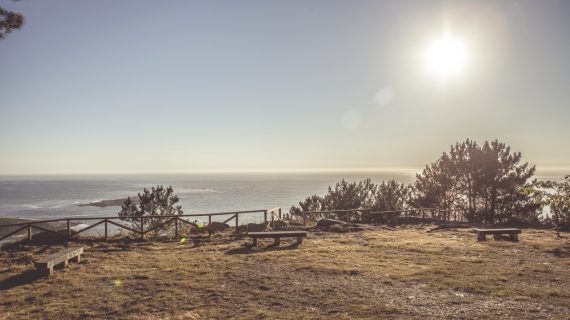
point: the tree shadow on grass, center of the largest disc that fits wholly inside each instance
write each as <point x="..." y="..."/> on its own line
<point x="21" y="279"/>
<point x="250" y="249"/>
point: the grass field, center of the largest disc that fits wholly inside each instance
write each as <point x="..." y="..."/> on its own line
<point x="402" y="273"/>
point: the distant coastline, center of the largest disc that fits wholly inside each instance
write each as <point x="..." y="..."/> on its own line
<point x="109" y="203"/>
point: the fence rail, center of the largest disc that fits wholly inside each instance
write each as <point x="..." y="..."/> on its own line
<point x="177" y="220"/>
<point x="269" y="215"/>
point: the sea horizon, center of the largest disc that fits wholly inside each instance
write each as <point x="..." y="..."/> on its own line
<point x="59" y="195"/>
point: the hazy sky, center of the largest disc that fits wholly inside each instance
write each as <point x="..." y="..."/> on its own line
<point x="171" y="86"/>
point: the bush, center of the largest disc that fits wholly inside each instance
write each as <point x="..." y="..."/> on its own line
<point x="156" y="203"/>
<point x="356" y="196"/>
<point x="556" y="195"/>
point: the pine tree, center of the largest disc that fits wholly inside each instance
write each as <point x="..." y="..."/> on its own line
<point x="9" y="21"/>
<point x="483" y="182"/>
<point x="156" y="203"/>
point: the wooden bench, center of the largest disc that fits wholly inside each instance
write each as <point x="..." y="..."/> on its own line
<point x="277" y="235"/>
<point x="47" y="263"/>
<point x="513" y="233"/>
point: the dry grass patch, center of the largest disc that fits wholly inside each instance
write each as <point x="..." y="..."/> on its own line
<point x="405" y="273"/>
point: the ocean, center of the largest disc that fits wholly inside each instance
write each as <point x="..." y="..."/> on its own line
<point x="53" y="196"/>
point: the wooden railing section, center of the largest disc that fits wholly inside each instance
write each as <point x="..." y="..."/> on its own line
<point x="177" y="220"/>
<point x="275" y="214"/>
<point x="407" y="216"/>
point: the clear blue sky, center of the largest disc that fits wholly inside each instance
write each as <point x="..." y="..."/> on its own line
<point x="183" y="86"/>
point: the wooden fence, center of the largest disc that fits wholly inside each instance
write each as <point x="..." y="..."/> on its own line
<point x="408" y="216"/>
<point x="177" y="220"/>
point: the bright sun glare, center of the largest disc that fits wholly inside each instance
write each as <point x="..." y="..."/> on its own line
<point x="446" y="57"/>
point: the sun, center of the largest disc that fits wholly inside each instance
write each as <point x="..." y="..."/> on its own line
<point x="445" y="57"/>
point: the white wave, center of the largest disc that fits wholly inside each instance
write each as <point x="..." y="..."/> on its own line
<point x="80" y="226"/>
<point x="194" y="190"/>
<point x="60" y="206"/>
<point x="31" y="206"/>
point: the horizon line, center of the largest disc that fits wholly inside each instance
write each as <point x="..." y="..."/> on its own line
<point x="269" y="171"/>
<point x="230" y="171"/>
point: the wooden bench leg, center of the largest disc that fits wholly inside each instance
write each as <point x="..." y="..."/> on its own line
<point x="299" y="240"/>
<point x="255" y="242"/>
<point x="481" y="237"/>
<point x="78" y="258"/>
<point x="277" y="241"/>
<point x="514" y="237"/>
<point x="49" y="271"/>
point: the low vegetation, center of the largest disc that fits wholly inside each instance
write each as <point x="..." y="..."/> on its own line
<point x="403" y="273"/>
<point x="151" y="209"/>
<point x="556" y="195"/>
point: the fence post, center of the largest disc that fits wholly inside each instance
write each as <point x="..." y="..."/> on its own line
<point x="142" y="228"/>
<point x="304" y="219"/>
<point x="176" y="227"/>
<point x="209" y="225"/>
<point x="237" y="223"/>
<point x="29" y="231"/>
<point x="280" y="214"/>
<point x="68" y="229"/>
<point x="265" y="215"/>
<point x="105" y="229"/>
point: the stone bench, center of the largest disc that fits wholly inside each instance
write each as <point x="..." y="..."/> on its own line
<point x="513" y="233"/>
<point x="47" y="263"/>
<point x="277" y="235"/>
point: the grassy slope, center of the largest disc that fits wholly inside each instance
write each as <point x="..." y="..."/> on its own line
<point x="407" y="273"/>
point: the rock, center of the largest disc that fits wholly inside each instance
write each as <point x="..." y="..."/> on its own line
<point x="241" y="229"/>
<point x="217" y="226"/>
<point x="328" y="222"/>
<point x="258" y="227"/>
<point x="338" y="228"/>
<point x="342" y="228"/>
<point x="110" y="203"/>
